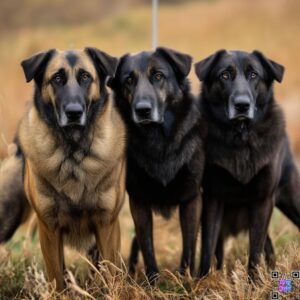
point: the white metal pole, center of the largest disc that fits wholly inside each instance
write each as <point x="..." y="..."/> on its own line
<point x="154" y="24"/>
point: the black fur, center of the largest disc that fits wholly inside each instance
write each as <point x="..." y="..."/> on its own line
<point x="165" y="158"/>
<point x="72" y="59"/>
<point x="244" y="154"/>
<point x="288" y="193"/>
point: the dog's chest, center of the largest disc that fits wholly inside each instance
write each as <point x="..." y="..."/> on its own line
<point x="243" y="164"/>
<point x="75" y="187"/>
<point x="242" y="158"/>
<point x="162" y="160"/>
<point x="76" y="210"/>
<point x="76" y="178"/>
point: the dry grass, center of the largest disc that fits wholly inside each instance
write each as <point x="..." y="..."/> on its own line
<point x="22" y="276"/>
<point x="198" y="28"/>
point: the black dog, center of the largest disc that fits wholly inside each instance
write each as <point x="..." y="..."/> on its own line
<point x="165" y="156"/>
<point x="247" y="154"/>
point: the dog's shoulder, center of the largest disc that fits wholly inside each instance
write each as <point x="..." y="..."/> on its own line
<point x="38" y="142"/>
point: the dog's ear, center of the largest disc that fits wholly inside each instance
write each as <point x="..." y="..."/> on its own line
<point x="180" y="62"/>
<point x="105" y="64"/>
<point x="35" y="65"/>
<point x="273" y="69"/>
<point x="110" y="81"/>
<point x="203" y="67"/>
<point x="113" y="80"/>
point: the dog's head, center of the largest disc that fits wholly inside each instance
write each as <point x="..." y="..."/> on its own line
<point x="237" y="86"/>
<point x="70" y="84"/>
<point x="148" y="85"/>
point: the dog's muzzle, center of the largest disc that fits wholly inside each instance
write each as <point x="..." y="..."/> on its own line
<point x="74" y="111"/>
<point x="144" y="112"/>
<point x="73" y="114"/>
<point x="240" y="108"/>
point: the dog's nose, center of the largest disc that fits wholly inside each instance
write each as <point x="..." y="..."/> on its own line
<point x="73" y="111"/>
<point x="143" y="108"/>
<point x="242" y="103"/>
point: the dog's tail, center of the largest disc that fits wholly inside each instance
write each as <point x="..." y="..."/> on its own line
<point x="14" y="207"/>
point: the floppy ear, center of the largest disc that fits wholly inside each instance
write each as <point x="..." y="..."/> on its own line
<point x="203" y="67"/>
<point x="112" y="80"/>
<point x="103" y="62"/>
<point x="180" y="62"/>
<point x="35" y="65"/>
<point x="274" y="70"/>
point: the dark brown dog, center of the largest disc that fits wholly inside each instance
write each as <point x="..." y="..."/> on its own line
<point x="246" y="147"/>
<point x="165" y="151"/>
<point x="73" y="140"/>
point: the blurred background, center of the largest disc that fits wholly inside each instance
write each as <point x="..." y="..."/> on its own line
<point x="198" y="27"/>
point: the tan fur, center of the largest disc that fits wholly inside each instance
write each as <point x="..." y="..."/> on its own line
<point x="59" y="61"/>
<point x="14" y="207"/>
<point x="94" y="184"/>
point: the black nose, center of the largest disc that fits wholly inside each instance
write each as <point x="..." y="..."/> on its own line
<point x="143" y="108"/>
<point x="73" y="111"/>
<point x="242" y="103"/>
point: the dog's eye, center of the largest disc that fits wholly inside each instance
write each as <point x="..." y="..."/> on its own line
<point x="57" y="78"/>
<point x="225" y="75"/>
<point x="158" y="76"/>
<point x="129" y="80"/>
<point x="84" y="77"/>
<point x="252" y="75"/>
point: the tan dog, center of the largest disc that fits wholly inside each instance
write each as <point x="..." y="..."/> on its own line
<point x="73" y="140"/>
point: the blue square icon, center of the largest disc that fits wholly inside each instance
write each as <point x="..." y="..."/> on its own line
<point x="285" y="286"/>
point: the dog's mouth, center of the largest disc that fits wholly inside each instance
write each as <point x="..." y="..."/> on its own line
<point x="145" y="121"/>
<point x="240" y="118"/>
<point x="241" y="123"/>
<point x="148" y="122"/>
<point x="237" y="116"/>
<point x="150" y="119"/>
<point x="65" y="121"/>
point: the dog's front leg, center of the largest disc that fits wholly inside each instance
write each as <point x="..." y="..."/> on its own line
<point x="211" y="223"/>
<point x="108" y="239"/>
<point x="220" y="251"/>
<point x="269" y="253"/>
<point x="52" y="249"/>
<point x="133" y="257"/>
<point x="190" y="214"/>
<point x="142" y="217"/>
<point x="260" y="215"/>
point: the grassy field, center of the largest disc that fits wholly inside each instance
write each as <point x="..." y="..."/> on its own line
<point x="22" y="274"/>
<point x="198" y="28"/>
